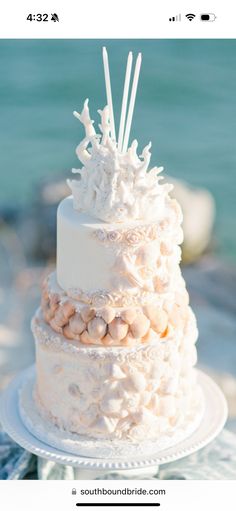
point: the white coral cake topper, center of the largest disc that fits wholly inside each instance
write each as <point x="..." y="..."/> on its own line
<point x="115" y="184"/>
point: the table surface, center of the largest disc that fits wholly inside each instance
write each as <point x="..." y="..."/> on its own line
<point x="215" y="461"/>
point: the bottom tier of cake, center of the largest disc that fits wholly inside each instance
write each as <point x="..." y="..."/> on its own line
<point x="117" y="392"/>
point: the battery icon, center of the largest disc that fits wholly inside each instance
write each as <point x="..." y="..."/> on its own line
<point x="208" y="17"/>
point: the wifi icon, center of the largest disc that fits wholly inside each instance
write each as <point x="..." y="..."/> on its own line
<point x="190" y="17"/>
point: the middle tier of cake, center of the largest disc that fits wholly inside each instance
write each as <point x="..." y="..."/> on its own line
<point x="100" y="321"/>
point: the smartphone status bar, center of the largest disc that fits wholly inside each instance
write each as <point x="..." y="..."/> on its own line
<point x="121" y="19"/>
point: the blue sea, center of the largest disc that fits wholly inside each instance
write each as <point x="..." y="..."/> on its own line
<point x="186" y="105"/>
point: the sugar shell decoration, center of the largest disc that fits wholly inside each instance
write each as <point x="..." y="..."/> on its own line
<point x="109" y="326"/>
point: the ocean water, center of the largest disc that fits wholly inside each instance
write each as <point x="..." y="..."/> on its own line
<point x="186" y="105"/>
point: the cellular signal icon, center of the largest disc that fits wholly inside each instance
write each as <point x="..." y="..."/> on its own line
<point x="175" y="18"/>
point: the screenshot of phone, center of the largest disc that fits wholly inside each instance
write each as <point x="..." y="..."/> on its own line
<point x="117" y="255"/>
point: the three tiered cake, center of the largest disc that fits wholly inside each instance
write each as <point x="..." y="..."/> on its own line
<point x="115" y="335"/>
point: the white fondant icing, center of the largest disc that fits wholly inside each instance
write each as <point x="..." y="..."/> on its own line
<point x="81" y="261"/>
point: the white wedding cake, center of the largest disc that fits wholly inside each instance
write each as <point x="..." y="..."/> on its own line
<point x="115" y="335"/>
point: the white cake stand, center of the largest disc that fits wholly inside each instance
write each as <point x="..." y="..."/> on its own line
<point x="90" y="468"/>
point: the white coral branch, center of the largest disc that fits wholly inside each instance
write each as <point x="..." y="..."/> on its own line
<point x="113" y="186"/>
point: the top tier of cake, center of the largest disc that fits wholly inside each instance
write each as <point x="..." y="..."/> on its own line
<point x="138" y="258"/>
